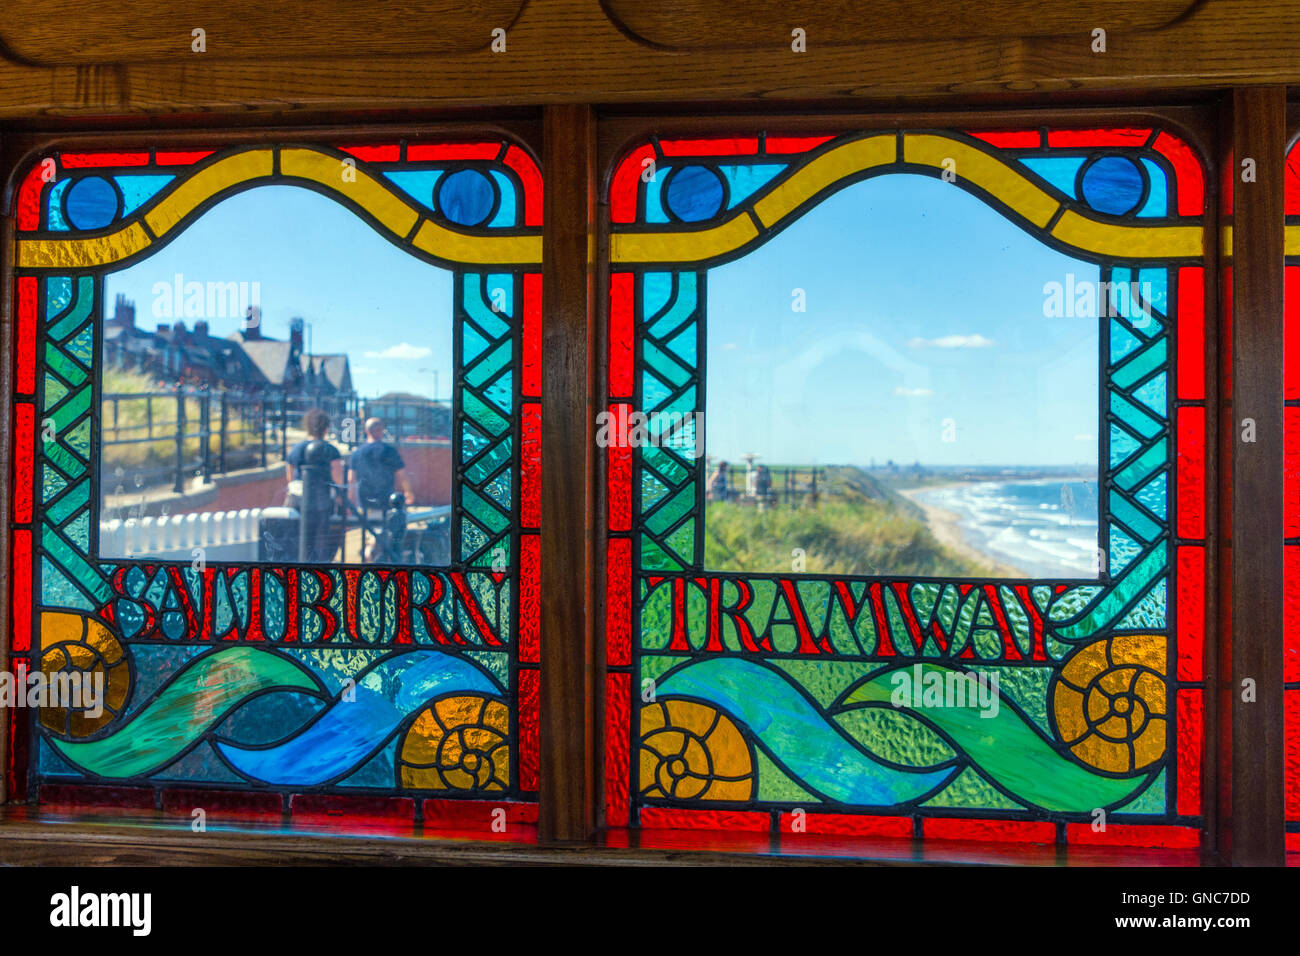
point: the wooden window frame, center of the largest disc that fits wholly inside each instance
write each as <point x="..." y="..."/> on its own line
<point x="577" y="146"/>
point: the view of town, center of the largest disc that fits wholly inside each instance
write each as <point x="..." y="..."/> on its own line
<point x="201" y="443"/>
<point x="261" y="403"/>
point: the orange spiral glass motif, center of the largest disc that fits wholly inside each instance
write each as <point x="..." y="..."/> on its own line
<point x="459" y="743"/>
<point x="74" y="644"/>
<point x="1109" y="703"/>
<point x="693" y="751"/>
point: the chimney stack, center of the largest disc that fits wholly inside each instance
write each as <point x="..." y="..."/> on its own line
<point x="295" y="341"/>
<point x="123" y="312"/>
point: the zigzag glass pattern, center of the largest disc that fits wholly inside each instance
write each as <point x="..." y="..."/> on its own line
<point x="407" y="692"/>
<point x="762" y="702"/>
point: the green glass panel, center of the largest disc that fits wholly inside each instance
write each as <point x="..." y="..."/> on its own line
<point x="497" y="359"/>
<point x="57" y="362"/>
<point x="670" y="512"/>
<point x="666" y="463"/>
<point x="489" y="462"/>
<point x="655" y="558"/>
<point x="1141" y="468"/>
<point x="486" y="515"/>
<point x="1133" y="416"/>
<point x="682" y="541"/>
<point x="1141" y="365"/>
<point x="665" y="367"/>
<point x="482" y="414"/>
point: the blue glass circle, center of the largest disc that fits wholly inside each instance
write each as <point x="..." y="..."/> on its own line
<point x="1112" y="185"/>
<point x="694" y="193"/>
<point x="466" y="197"/>
<point x="91" y="203"/>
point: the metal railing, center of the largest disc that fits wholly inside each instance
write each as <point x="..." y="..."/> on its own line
<point x="203" y="432"/>
<point x="788" y="485"/>
<point x="410" y="417"/>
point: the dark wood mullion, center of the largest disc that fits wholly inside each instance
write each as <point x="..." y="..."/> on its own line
<point x="599" y="340"/>
<point x="567" y="813"/>
<point x="1251" y="787"/>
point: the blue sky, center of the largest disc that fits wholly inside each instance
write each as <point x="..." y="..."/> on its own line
<point x="362" y="295"/>
<point x="922" y="305"/>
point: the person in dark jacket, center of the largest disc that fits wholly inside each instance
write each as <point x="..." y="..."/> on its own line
<point x="314" y="498"/>
<point x="379" y="468"/>
<point x="720" y="483"/>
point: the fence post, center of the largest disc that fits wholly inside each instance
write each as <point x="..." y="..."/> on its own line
<point x="148" y="413"/>
<point x="205" y="430"/>
<point x="261" y="421"/>
<point x="312" y="521"/>
<point x="284" y="425"/>
<point x="179" y="486"/>
<point x="225" y="420"/>
<point x="347" y="484"/>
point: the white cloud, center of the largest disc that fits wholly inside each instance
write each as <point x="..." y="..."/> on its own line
<point x="363" y="370"/>
<point x="729" y="346"/>
<point x="952" y="342"/>
<point x="913" y="392"/>
<point x="404" y="351"/>
<point x="1085" y="437"/>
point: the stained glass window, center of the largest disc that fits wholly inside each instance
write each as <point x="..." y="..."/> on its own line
<point x="389" y="669"/>
<point x="1291" y="518"/>
<point x="1037" y="707"/>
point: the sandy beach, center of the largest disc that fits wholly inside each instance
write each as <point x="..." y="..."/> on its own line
<point x="945" y="525"/>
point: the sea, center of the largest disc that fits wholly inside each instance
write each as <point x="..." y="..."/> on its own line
<point x="1045" y="527"/>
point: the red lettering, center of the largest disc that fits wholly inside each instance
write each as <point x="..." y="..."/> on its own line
<point x="800" y="621"/>
<point x="184" y="599"/>
<point x="884" y="646"/>
<point x="744" y="631"/>
<point x="325" y="584"/>
<point x="1009" y="650"/>
<point x="909" y="618"/>
<point x="679" y="641"/>
<point x="254" y="630"/>
<point x="471" y="606"/>
<point x="426" y="608"/>
<point x="1037" y="651"/>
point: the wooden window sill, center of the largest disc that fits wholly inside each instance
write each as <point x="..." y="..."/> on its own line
<point x="31" y="837"/>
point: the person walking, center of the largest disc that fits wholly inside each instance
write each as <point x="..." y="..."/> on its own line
<point x="379" y="468"/>
<point x="762" y="486"/>
<point x="720" y="483"/>
<point x="309" y="467"/>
